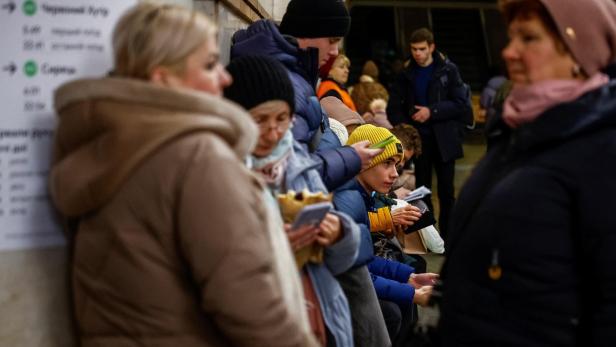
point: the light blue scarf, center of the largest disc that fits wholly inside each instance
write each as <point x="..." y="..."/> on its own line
<point x="272" y="167"/>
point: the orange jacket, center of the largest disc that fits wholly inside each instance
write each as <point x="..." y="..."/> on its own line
<point x="327" y="85"/>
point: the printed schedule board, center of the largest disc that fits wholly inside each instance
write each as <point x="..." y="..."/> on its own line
<point x="43" y="44"/>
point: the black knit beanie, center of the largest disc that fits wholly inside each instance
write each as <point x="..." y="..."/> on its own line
<point x="316" y="18"/>
<point x="258" y="79"/>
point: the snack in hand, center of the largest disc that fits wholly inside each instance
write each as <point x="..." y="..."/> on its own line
<point x="290" y="205"/>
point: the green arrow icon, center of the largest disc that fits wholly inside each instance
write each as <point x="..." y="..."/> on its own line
<point x="30" y="68"/>
<point x="29" y="7"/>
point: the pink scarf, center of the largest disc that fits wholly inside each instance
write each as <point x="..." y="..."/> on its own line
<point x="525" y="103"/>
<point x="273" y="172"/>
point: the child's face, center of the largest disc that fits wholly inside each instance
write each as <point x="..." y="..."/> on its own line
<point x="380" y="177"/>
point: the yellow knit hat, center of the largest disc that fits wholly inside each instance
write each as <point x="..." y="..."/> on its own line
<point x="376" y="134"/>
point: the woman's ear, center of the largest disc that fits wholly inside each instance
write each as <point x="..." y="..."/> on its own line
<point x="162" y="76"/>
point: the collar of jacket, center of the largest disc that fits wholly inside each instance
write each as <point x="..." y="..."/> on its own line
<point x="108" y="126"/>
<point x="368" y="198"/>
<point x="440" y="63"/>
<point x="336" y="82"/>
<point x="264" y="38"/>
<point x="593" y="111"/>
<point x="299" y="163"/>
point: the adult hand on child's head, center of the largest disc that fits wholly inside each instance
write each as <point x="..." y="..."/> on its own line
<point x="302" y="236"/>
<point x="366" y="154"/>
<point x="422" y="280"/>
<point x="330" y="230"/>
<point x="405" y="216"/>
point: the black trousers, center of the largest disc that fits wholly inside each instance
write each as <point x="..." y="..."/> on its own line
<point x="431" y="158"/>
<point x="399" y="321"/>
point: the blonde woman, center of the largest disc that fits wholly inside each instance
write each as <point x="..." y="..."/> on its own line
<point x="169" y="237"/>
<point x="334" y="84"/>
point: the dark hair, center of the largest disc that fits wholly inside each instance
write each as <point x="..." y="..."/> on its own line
<point x="409" y="136"/>
<point x="526" y="10"/>
<point x="421" y="35"/>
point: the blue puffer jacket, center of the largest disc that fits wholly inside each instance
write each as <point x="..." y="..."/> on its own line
<point x="301" y="174"/>
<point x="389" y="277"/>
<point x="337" y="164"/>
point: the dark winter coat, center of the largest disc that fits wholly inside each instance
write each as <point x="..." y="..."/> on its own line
<point x="540" y="206"/>
<point x="446" y="100"/>
<point x="337" y="165"/>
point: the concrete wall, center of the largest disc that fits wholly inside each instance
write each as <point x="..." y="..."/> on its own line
<point x="278" y="9"/>
<point x="34" y="299"/>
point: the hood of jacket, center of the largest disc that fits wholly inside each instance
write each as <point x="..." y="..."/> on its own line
<point x="263" y="38"/>
<point x="302" y="171"/>
<point x="594" y="111"/>
<point x="108" y="126"/>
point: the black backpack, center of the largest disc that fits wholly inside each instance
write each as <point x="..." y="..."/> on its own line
<point x="468" y="118"/>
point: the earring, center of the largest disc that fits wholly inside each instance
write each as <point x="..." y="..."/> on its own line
<point x="576" y="71"/>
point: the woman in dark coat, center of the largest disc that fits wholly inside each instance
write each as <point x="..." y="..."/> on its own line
<point x="531" y="260"/>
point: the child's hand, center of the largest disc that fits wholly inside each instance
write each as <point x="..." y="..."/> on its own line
<point x="422" y="280"/>
<point x="422" y="295"/>
<point x="406" y="215"/>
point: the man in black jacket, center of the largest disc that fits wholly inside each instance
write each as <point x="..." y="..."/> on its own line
<point x="430" y="95"/>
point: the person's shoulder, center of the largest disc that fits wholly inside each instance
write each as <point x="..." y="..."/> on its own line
<point x="449" y="65"/>
<point x="350" y="202"/>
<point x="201" y="145"/>
<point x="347" y="195"/>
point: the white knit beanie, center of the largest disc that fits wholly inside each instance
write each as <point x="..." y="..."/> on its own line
<point x="340" y="130"/>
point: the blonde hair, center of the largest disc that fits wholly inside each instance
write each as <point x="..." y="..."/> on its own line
<point x="343" y="59"/>
<point x="150" y="35"/>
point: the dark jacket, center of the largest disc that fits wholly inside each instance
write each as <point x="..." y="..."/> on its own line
<point x="389" y="277"/>
<point x="337" y="165"/>
<point x="446" y="100"/>
<point x="540" y="205"/>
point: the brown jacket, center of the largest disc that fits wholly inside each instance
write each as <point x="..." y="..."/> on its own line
<point x="171" y="248"/>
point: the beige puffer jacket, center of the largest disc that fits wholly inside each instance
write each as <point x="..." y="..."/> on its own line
<point x="171" y="245"/>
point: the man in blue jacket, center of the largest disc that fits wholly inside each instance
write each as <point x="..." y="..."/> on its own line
<point x="308" y="37"/>
<point x="430" y="95"/>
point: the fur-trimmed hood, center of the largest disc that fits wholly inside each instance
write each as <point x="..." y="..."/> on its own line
<point x="108" y="126"/>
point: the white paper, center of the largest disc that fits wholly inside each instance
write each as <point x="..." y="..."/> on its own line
<point x="44" y="44"/>
<point x="417" y="194"/>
